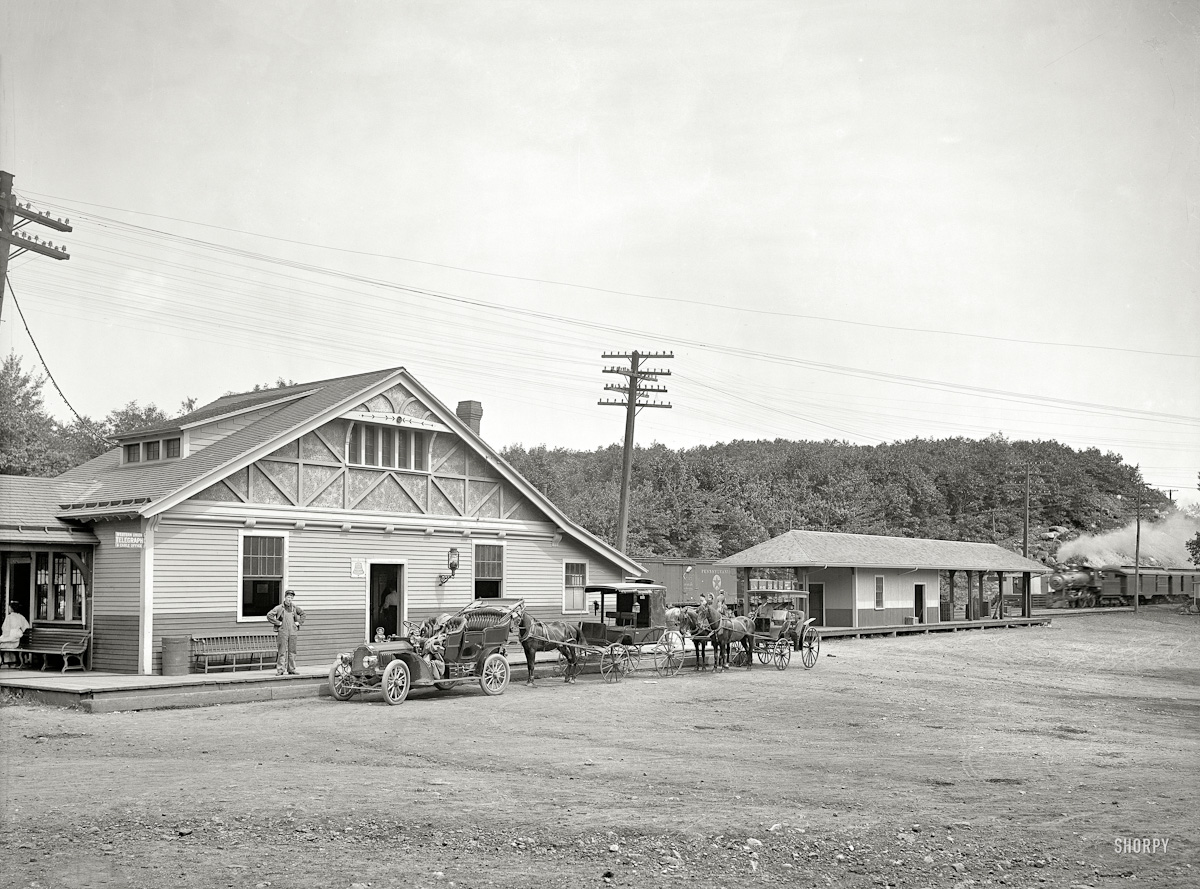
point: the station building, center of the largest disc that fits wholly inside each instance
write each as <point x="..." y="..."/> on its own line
<point x="864" y="580"/>
<point x="364" y="494"/>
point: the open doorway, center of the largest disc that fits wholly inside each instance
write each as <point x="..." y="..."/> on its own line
<point x="919" y="602"/>
<point x="20" y="586"/>
<point x="386" y="598"/>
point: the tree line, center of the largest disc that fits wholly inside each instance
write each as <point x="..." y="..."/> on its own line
<point x="712" y="501"/>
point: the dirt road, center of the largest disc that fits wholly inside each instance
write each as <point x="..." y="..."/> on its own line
<point x="1035" y="757"/>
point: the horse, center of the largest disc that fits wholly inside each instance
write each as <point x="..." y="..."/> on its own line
<point x="727" y="630"/>
<point x="548" y="635"/>
<point x="694" y="625"/>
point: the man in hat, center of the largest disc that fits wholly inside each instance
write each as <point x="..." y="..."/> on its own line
<point x="286" y="619"/>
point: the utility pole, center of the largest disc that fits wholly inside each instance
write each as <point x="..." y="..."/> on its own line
<point x="10" y="229"/>
<point x="1137" y="554"/>
<point x="634" y="390"/>
<point x="1025" y="537"/>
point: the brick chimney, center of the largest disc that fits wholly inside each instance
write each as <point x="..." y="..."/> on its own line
<point x="470" y="412"/>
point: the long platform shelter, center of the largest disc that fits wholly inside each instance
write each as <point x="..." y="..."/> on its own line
<point x="865" y="580"/>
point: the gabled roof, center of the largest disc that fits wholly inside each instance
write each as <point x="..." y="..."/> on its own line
<point x="797" y="549"/>
<point x="150" y="482"/>
<point x="103" y="488"/>
<point x="227" y="405"/>
<point x="29" y="512"/>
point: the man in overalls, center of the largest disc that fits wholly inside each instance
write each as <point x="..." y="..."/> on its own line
<point x="286" y="619"/>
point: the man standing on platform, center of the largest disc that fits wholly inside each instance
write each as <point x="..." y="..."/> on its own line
<point x="286" y="619"/>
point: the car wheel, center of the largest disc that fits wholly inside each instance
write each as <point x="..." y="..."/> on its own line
<point x="340" y="682"/>
<point x="396" y="682"/>
<point x="494" y="677"/>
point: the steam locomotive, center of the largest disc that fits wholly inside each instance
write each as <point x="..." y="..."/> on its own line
<point x="1084" y="587"/>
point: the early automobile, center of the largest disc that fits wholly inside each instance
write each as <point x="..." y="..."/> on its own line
<point x="442" y="653"/>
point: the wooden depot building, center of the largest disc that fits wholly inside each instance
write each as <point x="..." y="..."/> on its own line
<point x="864" y="580"/>
<point x="364" y="494"/>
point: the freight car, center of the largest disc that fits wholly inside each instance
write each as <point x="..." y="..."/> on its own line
<point x="1083" y="587"/>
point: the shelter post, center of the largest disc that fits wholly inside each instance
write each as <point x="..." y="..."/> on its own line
<point x="1026" y="594"/>
<point x="950" y="582"/>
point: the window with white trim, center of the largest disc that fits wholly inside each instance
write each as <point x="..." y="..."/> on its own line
<point x="878" y="592"/>
<point x="387" y="447"/>
<point x="574" y="583"/>
<point x="263" y="574"/>
<point x="489" y="571"/>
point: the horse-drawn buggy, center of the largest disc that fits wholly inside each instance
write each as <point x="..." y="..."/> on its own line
<point x="442" y="652"/>
<point x="628" y="619"/>
<point x="781" y="624"/>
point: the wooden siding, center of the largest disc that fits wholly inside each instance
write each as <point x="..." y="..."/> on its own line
<point x="324" y="635"/>
<point x="839" y="617"/>
<point x="115" y="642"/>
<point x="195" y="570"/>
<point x="116" y="573"/>
<point x="202" y="436"/>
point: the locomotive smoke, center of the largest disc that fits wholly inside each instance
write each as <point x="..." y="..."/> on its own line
<point x="1162" y="545"/>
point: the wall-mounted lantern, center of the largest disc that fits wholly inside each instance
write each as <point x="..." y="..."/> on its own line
<point x="452" y="564"/>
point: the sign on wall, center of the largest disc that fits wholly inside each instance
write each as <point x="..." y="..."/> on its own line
<point x="358" y="567"/>
<point x="128" y="539"/>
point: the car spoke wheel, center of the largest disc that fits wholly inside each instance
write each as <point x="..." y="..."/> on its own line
<point x="810" y="647"/>
<point x="611" y="660"/>
<point x="396" y="682"/>
<point x="444" y="685"/>
<point x="782" y="654"/>
<point x="340" y="682"/>
<point x="494" y="677"/>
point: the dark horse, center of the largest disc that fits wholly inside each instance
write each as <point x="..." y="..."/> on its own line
<point x="548" y="635"/>
<point x="727" y="631"/>
<point x="694" y="626"/>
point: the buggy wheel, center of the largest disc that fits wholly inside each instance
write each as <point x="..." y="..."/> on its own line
<point x="737" y="656"/>
<point x="560" y="665"/>
<point x="494" y="677"/>
<point x="810" y="647"/>
<point x="340" y="682"/>
<point x="396" y="682"/>
<point x="782" y="653"/>
<point x="611" y="661"/>
<point x="764" y="650"/>
<point x="632" y="659"/>
<point x="668" y="654"/>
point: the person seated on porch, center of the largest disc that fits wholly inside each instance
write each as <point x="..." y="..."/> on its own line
<point x="11" y="631"/>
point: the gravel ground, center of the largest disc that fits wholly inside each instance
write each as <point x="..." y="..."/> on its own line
<point x="1031" y="757"/>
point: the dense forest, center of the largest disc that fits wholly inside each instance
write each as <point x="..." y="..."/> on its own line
<point x="709" y="502"/>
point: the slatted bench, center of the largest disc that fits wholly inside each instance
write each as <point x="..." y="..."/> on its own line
<point x="234" y="651"/>
<point x="66" y="644"/>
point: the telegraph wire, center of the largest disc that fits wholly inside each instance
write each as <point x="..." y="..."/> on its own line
<point x="83" y="424"/>
<point x="614" y="292"/>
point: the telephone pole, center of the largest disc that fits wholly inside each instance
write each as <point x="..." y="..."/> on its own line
<point x="1137" y="554"/>
<point x="634" y="391"/>
<point x="11" y="236"/>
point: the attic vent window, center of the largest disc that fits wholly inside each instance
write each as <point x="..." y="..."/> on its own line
<point x="152" y="451"/>
<point x="386" y="447"/>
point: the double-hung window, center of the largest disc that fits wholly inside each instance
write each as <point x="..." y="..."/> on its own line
<point x="574" y="583"/>
<point x="878" y="592"/>
<point x="489" y="571"/>
<point x="263" y="564"/>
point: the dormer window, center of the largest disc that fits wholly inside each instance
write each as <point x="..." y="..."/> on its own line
<point x="386" y="447"/>
<point x="152" y="451"/>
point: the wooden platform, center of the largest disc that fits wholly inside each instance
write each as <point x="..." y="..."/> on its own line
<point x="940" y="627"/>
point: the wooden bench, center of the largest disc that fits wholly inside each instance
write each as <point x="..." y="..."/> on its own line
<point x="234" y="651"/>
<point x="66" y="644"/>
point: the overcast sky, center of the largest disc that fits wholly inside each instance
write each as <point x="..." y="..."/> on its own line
<point x="865" y="221"/>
